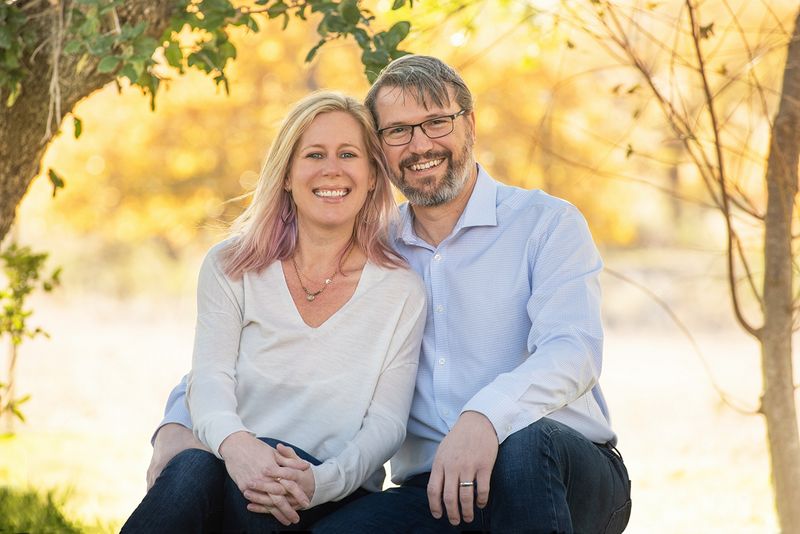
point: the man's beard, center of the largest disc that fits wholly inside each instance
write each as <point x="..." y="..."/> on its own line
<point x="448" y="188"/>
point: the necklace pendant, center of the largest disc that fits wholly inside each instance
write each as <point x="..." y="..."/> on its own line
<point x="310" y="297"/>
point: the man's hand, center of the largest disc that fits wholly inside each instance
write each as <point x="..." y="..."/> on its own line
<point x="466" y="454"/>
<point x="171" y="439"/>
<point x="253" y="466"/>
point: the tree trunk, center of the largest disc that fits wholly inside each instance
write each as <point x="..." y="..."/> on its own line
<point x="778" y="401"/>
<point x="23" y="127"/>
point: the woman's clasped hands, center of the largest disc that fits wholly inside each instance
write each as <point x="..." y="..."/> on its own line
<point x="275" y="480"/>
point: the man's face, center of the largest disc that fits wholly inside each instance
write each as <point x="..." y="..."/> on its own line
<point x="429" y="172"/>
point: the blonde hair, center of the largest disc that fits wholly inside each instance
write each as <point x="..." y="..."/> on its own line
<point x="267" y="230"/>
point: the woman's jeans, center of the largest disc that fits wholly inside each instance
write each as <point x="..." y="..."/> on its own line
<point x="548" y="478"/>
<point x="195" y="494"/>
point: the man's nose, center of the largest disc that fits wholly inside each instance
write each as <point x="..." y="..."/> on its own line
<point x="420" y="142"/>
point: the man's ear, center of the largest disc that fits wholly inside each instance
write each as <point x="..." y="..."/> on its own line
<point x="470" y="117"/>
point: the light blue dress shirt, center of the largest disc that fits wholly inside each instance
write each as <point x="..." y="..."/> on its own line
<point x="513" y="328"/>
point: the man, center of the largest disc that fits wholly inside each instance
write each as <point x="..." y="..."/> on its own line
<point x="509" y="430"/>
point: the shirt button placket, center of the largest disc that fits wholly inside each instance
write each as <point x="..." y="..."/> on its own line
<point x="441" y="375"/>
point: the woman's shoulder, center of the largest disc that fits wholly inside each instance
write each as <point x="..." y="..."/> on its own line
<point x="215" y="258"/>
<point x="403" y="278"/>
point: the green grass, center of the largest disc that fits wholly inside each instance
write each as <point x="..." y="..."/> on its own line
<point x="26" y="510"/>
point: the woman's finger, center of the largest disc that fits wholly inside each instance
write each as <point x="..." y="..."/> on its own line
<point x="287" y="457"/>
<point x="296" y="493"/>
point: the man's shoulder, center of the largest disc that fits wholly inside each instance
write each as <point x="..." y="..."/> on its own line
<point x="531" y="201"/>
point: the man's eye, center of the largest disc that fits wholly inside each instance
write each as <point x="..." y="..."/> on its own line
<point x="397" y="130"/>
<point x="437" y="122"/>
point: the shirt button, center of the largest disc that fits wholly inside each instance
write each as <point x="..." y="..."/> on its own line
<point x="439" y="308"/>
<point x="508" y="428"/>
<point x="441" y="361"/>
<point x="446" y="411"/>
<point x="437" y="257"/>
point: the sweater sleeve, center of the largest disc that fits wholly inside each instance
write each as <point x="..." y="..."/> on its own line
<point x="384" y="425"/>
<point x="211" y="391"/>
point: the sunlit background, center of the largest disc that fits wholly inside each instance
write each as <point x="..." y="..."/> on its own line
<point x="147" y="193"/>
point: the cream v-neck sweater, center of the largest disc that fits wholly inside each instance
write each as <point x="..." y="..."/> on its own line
<point x="341" y="392"/>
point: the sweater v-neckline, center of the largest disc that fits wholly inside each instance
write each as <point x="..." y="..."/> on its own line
<point x="288" y="294"/>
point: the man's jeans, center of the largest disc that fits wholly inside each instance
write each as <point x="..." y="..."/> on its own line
<point x="194" y="489"/>
<point x="547" y="478"/>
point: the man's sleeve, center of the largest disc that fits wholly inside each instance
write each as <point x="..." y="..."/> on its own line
<point x="566" y="339"/>
<point x="176" y="410"/>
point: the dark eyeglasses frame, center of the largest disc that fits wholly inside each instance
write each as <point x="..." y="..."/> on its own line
<point x="452" y="118"/>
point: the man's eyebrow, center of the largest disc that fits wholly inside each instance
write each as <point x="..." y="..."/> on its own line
<point x="427" y="117"/>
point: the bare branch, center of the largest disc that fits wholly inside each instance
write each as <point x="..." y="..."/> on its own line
<point x="721" y="177"/>
<point x="735" y="404"/>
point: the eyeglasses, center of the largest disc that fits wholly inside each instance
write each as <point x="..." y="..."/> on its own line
<point x="434" y="128"/>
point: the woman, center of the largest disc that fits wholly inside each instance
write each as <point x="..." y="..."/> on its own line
<point x="308" y="336"/>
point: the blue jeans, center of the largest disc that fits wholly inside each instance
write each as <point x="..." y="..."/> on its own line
<point x="548" y="478"/>
<point x="194" y="490"/>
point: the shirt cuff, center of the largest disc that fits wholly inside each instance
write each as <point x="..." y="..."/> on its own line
<point x="215" y="433"/>
<point x="327" y="483"/>
<point x="177" y="413"/>
<point x="502" y="412"/>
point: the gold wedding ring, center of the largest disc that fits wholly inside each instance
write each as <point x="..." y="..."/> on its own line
<point x="466" y="484"/>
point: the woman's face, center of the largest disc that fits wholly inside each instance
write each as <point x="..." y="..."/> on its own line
<point x="330" y="174"/>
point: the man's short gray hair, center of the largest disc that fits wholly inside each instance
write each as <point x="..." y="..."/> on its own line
<point x="426" y="77"/>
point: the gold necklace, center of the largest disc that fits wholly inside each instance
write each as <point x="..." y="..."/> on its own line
<point x="311" y="295"/>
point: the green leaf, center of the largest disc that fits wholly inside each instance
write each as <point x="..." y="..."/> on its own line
<point x="16" y="412"/>
<point x="174" y="54"/>
<point x="108" y="64"/>
<point x="398" y="4"/>
<point x="226" y="51"/>
<point x="349" y="11"/>
<point x="252" y="25"/>
<point x="5" y="37"/>
<point x="128" y="71"/>
<point x="396" y="33"/>
<point x="313" y="51"/>
<point x="276" y="10"/>
<point x="145" y="46"/>
<point x="56" y="180"/>
<point x="362" y="38"/>
<point x="72" y="47"/>
<point x="77" y="125"/>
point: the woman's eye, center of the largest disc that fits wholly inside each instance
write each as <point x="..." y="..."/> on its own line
<point x="314" y="155"/>
<point x="347" y="155"/>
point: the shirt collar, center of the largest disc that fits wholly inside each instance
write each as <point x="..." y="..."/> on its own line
<point x="481" y="210"/>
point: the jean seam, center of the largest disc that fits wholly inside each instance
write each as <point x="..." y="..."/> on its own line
<point x="551" y="451"/>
